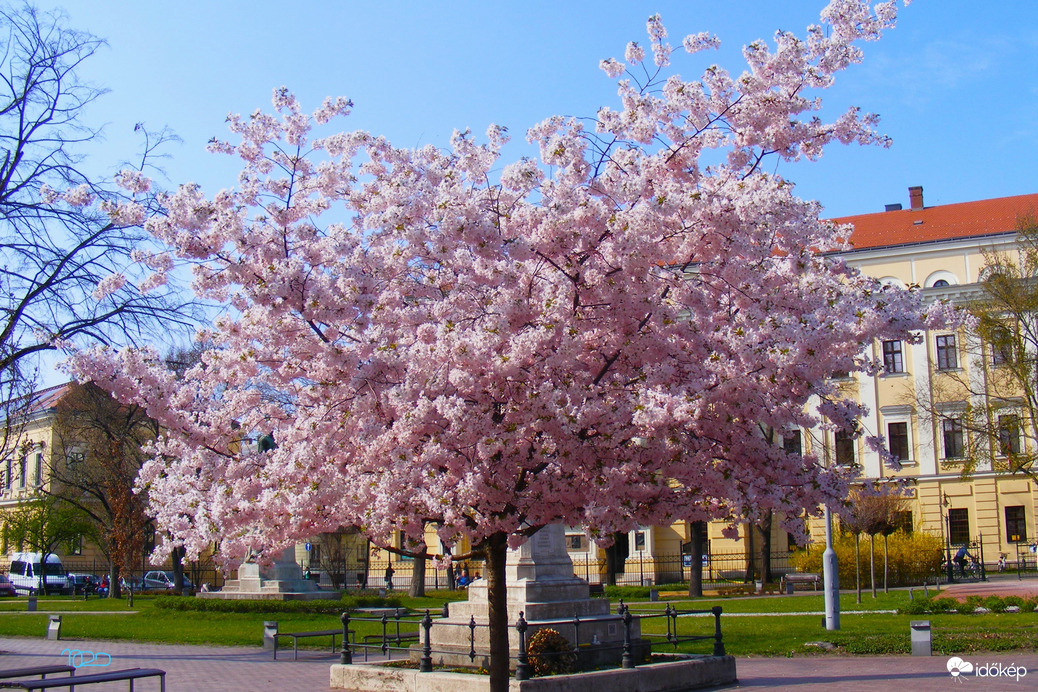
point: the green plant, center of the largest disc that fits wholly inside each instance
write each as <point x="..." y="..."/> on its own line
<point x="212" y="605"/>
<point x="550" y="653"/>
<point x="912" y="558"/>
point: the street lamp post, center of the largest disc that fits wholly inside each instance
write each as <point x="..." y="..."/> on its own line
<point x="947" y="521"/>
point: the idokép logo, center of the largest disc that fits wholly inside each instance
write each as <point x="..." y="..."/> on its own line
<point x="958" y="667"/>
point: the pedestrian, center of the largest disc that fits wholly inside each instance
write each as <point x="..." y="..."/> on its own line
<point x="389" y="577"/>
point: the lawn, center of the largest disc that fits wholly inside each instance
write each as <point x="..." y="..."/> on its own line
<point x="783" y="632"/>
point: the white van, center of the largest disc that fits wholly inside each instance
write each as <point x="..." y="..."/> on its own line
<point x="27" y="575"/>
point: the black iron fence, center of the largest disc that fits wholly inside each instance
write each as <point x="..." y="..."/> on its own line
<point x="408" y="634"/>
<point x="1026" y="562"/>
<point x="718" y="568"/>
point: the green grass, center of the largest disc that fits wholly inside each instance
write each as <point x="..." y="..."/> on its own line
<point x="784" y="634"/>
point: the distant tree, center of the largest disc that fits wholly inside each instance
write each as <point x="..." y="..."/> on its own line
<point x="98" y="453"/>
<point x="44" y="523"/>
<point x="996" y="416"/>
<point x="871" y="511"/>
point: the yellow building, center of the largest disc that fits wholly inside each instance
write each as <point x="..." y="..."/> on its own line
<point x="919" y="403"/>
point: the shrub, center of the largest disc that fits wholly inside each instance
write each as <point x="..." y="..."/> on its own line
<point x="214" y="605"/>
<point x="996" y="604"/>
<point x="550" y="653"/>
<point x="912" y="558"/>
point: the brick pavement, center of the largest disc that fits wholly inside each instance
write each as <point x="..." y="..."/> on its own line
<point x="240" y="669"/>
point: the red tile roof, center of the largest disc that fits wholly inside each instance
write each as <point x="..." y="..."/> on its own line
<point x="946" y="222"/>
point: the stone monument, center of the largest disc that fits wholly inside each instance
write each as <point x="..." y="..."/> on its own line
<point x="282" y="581"/>
<point x="540" y="583"/>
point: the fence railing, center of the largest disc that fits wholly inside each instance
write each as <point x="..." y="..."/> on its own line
<point x="403" y="631"/>
<point x="718" y="568"/>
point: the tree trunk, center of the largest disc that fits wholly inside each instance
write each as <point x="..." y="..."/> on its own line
<point x="177" y="556"/>
<point x="695" y="577"/>
<point x="886" y="565"/>
<point x="610" y="563"/>
<point x="872" y="563"/>
<point x="417" y="587"/>
<point x="765" y="547"/>
<point x="751" y="573"/>
<point x="857" y="566"/>
<point x="495" y="549"/>
<point x="114" y="589"/>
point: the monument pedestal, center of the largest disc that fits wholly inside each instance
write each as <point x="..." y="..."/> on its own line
<point x="540" y="584"/>
<point x="282" y="581"/>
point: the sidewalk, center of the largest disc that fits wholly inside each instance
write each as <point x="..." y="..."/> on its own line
<point x="232" y="669"/>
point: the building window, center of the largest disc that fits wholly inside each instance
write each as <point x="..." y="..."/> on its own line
<point x="940" y="283"/>
<point x="897" y="441"/>
<point x="903" y="521"/>
<point x="22" y="471"/>
<point x="893" y="358"/>
<point x="639" y="540"/>
<point x="959" y="526"/>
<point x="1008" y="435"/>
<point x="947" y="356"/>
<point x="75" y="546"/>
<point x="844" y="448"/>
<point x="791" y="443"/>
<point x="1001" y="346"/>
<point x="39" y="468"/>
<point x="951" y="429"/>
<point x="1016" y="524"/>
<point x="575" y="542"/>
<point x="8" y="476"/>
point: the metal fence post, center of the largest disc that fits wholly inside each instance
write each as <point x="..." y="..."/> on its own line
<point x="718" y="644"/>
<point x="672" y="631"/>
<point x="346" y="657"/>
<point x="425" y="666"/>
<point x="522" y="667"/>
<point x="472" y="638"/>
<point x="627" y="660"/>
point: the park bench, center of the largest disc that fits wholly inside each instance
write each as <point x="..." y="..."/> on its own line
<point x="74" y="681"/>
<point x="596" y="590"/>
<point x="42" y="671"/>
<point x="296" y="636"/>
<point x="795" y="578"/>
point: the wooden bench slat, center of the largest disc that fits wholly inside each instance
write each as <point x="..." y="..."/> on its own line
<point x="35" y="670"/>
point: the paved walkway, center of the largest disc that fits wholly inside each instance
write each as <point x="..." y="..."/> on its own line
<point x="233" y="669"/>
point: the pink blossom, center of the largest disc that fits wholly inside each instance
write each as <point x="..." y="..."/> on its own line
<point x="634" y="53"/>
<point x="595" y="337"/>
<point x="109" y="285"/>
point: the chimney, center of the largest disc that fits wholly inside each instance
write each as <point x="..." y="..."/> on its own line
<point x="915" y="196"/>
<point x="893" y="207"/>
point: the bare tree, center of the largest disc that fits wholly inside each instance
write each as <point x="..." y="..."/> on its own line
<point x="58" y="239"/>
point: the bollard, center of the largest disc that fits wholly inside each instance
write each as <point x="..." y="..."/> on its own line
<point x="31" y="604"/>
<point x="921" y="638"/>
<point x="789" y="588"/>
<point x="270" y="630"/>
<point x="654" y="594"/>
<point x="54" y="628"/>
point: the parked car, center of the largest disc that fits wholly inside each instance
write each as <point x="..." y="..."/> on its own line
<point x="83" y="583"/>
<point x="158" y="580"/>
<point x="6" y="587"/>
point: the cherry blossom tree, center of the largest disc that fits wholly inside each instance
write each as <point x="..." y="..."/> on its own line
<point x="595" y="336"/>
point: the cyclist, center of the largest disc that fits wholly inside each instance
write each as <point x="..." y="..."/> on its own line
<point x="961" y="558"/>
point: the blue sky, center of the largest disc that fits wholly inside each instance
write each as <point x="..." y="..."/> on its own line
<point x="956" y="83"/>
